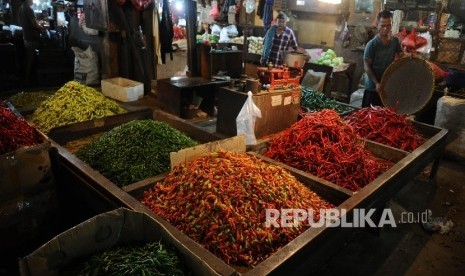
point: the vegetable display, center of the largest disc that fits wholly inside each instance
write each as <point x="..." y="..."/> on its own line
<point x="220" y="201"/>
<point x="32" y="99"/>
<point x="322" y="144"/>
<point x="15" y="132"/>
<point x="149" y="259"/>
<point x="385" y="126"/>
<point x="134" y="151"/>
<point x="73" y="103"/>
<point x="313" y="100"/>
<point x="330" y="58"/>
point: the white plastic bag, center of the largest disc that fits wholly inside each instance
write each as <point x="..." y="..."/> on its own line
<point x="245" y="121"/>
<point x="224" y="37"/>
<point x="85" y="66"/>
<point x="249" y="6"/>
<point x="314" y="80"/>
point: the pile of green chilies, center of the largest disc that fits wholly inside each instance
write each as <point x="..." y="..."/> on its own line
<point x="220" y="201"/>
<point x="313" y="100"/>
<point x="322" y="144"/>
<point x="385" y="126"/>
<point x="149" y="259"/>
<point x="134" y="151"/>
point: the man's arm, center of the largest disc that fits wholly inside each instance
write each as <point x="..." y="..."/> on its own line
<point x="367" y="67"/>
<point x="293" y="41"/>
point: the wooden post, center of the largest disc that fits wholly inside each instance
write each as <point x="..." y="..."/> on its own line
<point x="191" y="28"/>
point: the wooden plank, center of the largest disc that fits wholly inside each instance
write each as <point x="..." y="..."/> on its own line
<point x="236" y="144"/>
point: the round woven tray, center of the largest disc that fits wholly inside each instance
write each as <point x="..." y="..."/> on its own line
<point x="407" y="85"/>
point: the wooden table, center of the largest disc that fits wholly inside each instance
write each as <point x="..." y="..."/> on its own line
<point x="174" y="95"/>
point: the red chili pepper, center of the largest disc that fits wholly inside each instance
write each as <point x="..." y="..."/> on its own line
<point x="322" y="144"/>
<point x="15" y="132"/>
<point x="228" y="216"/>
<point x="384" y="126"/>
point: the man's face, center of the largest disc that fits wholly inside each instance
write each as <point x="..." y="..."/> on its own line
<point x="384" y="27"/>
<point x="281" y="23"/>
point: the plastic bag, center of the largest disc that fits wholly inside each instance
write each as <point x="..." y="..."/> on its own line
<point x="215" y="12"/>
<point x="224" y="37"/>
<point x="85" y="66"/>
<point x="245" y="121"/>
<point x="429" y="43"/>
<point x="216" y="30"/>
<point x="345" y="36"/>
<point x="413" y="41"/>
<point x="249" y="6"/>
<point x="314" y="80"/>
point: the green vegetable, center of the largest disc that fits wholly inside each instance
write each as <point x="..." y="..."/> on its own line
<point x="32" y="99"/>
<point x="315" y="101"/>
<point x="149" y="259"/>
<point x="134" y="151"/>
<point x="73" y="103"/>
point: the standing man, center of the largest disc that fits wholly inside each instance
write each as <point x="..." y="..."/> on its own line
<point x="31" y="37"/>
<point x="379" y="53"/>
<point x="278" y="38"/>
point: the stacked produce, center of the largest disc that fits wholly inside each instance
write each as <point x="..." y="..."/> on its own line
<point x="255" y="45"/>
<point x="134" y="151"/>
<point x="322" y="144"/>
<point x="385" y="126"/>
<point x="237" y="40"/>
<point x="32" y="99"/>
<point x="73" y="103"/>
<point x="330" y="58"/>
<point x="313" y="100"/>
<point x="220" y="201"/>
<point x="149" y="259"/>
<point x="15" y="132"/>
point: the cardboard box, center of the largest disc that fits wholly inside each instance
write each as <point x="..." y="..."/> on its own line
<point x="122" y="89"/>
<point x="25" y="171"/>
<point x="120" y="226"/>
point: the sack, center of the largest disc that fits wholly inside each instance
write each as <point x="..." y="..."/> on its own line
<point x="314" y="80"/>
<point x="245" y="121"/>
<point x="85" y="66"/>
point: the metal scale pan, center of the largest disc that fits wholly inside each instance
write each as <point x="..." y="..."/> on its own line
<point x="407" y="85"/>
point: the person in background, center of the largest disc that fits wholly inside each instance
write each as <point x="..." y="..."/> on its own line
<point x="278" y="38"/>
<point x="379" y="53"/>
<point x="31" y="37"/>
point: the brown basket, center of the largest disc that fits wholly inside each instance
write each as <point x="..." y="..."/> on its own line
<point x="407" y="85"/>
<point x="449" y="51"/>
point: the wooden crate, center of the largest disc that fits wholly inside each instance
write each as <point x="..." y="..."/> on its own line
<point x="279" y="109"/>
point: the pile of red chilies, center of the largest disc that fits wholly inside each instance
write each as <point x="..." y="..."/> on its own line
<point x="15" y="132"/>
<point x="324" y="145"/>
<point x="385" y="126"/>
<point x="219" y="200"/>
